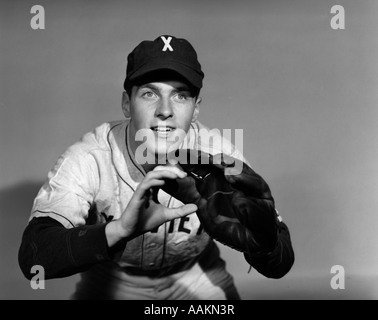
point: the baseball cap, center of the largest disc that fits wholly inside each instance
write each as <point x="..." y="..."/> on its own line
<point x="165" y="53"/>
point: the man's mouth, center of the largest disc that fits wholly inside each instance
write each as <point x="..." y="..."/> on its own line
<point x="163" y="129"/>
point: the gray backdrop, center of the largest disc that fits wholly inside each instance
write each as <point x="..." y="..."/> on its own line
<point x="304" y="94"/>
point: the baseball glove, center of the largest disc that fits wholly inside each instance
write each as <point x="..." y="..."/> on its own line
<point x="235" y="204"/>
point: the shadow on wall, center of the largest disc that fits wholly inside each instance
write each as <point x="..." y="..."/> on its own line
<point x="15" y="205"/>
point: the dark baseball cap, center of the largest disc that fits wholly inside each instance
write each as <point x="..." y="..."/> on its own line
<point x="164" y="54"/>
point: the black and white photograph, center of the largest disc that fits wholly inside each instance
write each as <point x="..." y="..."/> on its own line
<point x="189" y="150"/>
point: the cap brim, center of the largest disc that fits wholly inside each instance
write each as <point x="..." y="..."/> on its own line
<point x="192" y="76"/>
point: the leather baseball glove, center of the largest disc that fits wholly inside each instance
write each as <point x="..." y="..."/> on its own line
<point x="235" y="204"/>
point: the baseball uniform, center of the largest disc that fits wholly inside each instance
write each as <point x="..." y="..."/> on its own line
<point x="93" y="181"/>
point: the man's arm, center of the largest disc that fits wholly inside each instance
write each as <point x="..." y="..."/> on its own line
<point x="61" y="252"/>
<point x="64" y="252"/>
<point x="279" y="261"/>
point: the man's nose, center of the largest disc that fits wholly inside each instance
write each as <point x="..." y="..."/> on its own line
<point x="164" y="109"/>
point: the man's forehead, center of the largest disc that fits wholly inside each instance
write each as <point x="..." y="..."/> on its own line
<point x="166" y="84"/>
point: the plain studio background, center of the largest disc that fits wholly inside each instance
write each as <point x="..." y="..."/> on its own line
<point x="304" y="94"/>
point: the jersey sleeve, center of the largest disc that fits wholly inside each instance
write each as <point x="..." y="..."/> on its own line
<point x="69" y="190"/>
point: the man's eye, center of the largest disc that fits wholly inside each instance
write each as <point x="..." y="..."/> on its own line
<point x="182" y="96"/>
<point x="148" y="94"/>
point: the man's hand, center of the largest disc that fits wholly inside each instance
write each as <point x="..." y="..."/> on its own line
<point x="144" y="212"/>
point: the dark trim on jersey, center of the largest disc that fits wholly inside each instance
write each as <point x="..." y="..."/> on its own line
<point x="57" y="215"/>
<point x="111" y="150"/>
<point x="128" y="152"/>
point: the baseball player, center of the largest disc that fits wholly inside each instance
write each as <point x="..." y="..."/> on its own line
<point x="136" y="225"/>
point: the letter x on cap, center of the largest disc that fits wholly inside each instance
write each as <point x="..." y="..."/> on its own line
<point x="165" y="53"/>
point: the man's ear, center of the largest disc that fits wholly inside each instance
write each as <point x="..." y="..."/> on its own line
<point x="196" y="109"/>
<point x="126" y="105"/>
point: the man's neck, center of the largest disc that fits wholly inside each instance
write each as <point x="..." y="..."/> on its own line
<point x="133" y="145"/>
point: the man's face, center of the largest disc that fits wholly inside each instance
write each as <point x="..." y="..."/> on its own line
<point x="161" y="113"/>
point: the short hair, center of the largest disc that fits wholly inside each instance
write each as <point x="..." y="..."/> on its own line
<point x="162" y="75"/>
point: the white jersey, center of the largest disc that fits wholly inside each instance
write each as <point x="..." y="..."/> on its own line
<point x="94" y="180"/>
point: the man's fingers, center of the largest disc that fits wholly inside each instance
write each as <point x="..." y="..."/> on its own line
<point x="173" y="213"/>
<point x="171" y="168"/>
<point x="153" y="180"/>
<point x="145" y="187"/>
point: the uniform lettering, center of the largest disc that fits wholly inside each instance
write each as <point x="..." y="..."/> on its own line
<point x="171" y="226"/>
<point x="167" y="43"/>
<point x="154" y="230"/>
<point x="181" y="227"/>
<point x="199" y="231"/>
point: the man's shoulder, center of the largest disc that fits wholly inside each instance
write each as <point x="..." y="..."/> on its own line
<point x="101" y="132"/>
<point x="98" y="139"/>
<point x="100" y="135"/>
